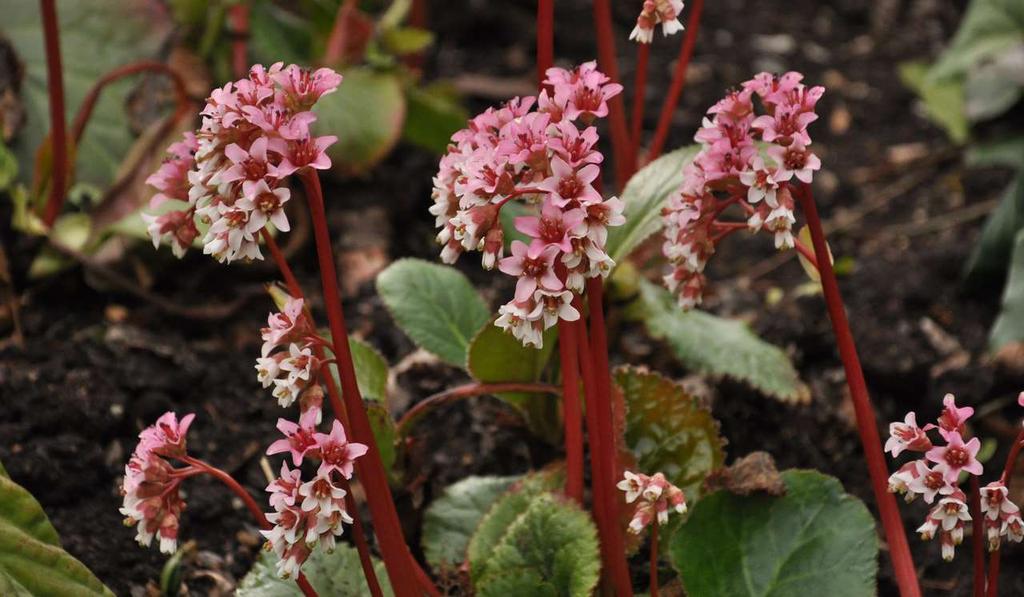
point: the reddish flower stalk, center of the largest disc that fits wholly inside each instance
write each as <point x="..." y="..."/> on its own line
<point x="358" y="532"/>
<point x="545" y="38"/>
<point x="643" y="55"/>
<point x="58" y="131"/>
<point x="250" y="503"/>
<point x="572" y="411"/>
<point x="470" y="390"/>
<point x="899" y="549"/>
<point x="84" y="114"/>
<point x="624" y="161"/>
<point x="335" y="50"/>
<point x="654" y="558"/>
<point x="370" y="468"/>
<point x="977" y="537"/>
<point x="993" y="558"/>
<point x="675" y="90"/>
<point x="239" y="15"/>
<point x="605" y="503"/>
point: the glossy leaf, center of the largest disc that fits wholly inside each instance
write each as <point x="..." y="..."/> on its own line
<point x="371" y="370"/>
<point x="451" y="519"/>
<point x="435" y="305"/>
<point x="644" y="196"/>
<point x="337" y="574"/>
<point x="366" y="114"/>
<point x="550" y="549"/>
<point x="32" y="561"/>
<point x="434" y="115"/>
<point x="668" y="430"/>
<point x="815" y="540"/>
<point x="718" y="346"/>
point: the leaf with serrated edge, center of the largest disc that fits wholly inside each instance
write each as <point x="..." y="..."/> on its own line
<point x="435" y="305"/>
<point x="450" y="520"/>
<point x="644" y="196"/>
<point x="718" y="346"/>
<point x="815" y="540"/>
<point x="668" y="430"/>
<point x="337" y="574"/>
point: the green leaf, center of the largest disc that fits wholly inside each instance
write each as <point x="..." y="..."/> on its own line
<point x="1009" y="326"/>
<point x="993" y="87"/>
<point x="450" y="520"/>
<point x="366" y="114"/>
<point x="435" y="305"/>
<point x="714" y="345"/>
<point x="508" y="214"/>
<point x="406" y="40"/>
<point x="1007" y="151"/>
<point x="504" y="512"/>
<point x="337" y="574"/>
<point x="988" y="28"/>
<point x="385" y="433"/>
<point x="550" y="549"/>
<point x="8" y="167"/>
<point x="943" y="99"/>
<point x="815" y="540"/>
<point x="31" y="559"/>
<point x="991" y="255"/>
<point x="95" y="37"/>
<point x="71" y="230"/>
<point x="668" y="430"/>
<point x="371" y="370"/>
<point x="496" y="356"/>
<point x="644" y="195"/>
<point x="434" y="115"/>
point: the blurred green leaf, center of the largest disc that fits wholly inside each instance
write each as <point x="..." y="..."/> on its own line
<point x="991" y="254"/>
<point x="451" y="519"/>
<point x="988" y="28"/>
<point x="943" y="99"/>
<point x="8" y="167"/>
<point x="993" y="87"/>
<point x="71" y="230"/>
<point x="406" y="40"/>
<point x="1009" y="325"/>
<point x="434" y="114"/>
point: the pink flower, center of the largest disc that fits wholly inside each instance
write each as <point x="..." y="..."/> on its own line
<point x="534" y="265"/>
<point x="956" y="456"/>
<point x="167" y="436"/>
<point x="265" y="205"/>
<point x="304" y="87"/>
<point x="794" y="160"/>
<point x="176" y="227"/>
<point x="953" y="418"/>
<point x="929" y="482"/>
<point x="947" y="518"/>
<point x="657" y="498"/>
<point x="299" y="438"/>
<point x="250" y="166"/>
<point x="171" y="179"/>
<point x="575" y="147"/>
<point x="584" y="92"/>
<point x="553" y="227"/>
<point x="907" y="436"/>
<point x="899" y="482"/>
<point x="152" y="501"/>
<point x="288" y="325"/>
<point x="567" y="184"/>
<point x="337" y="453"/>
<point x="305" y="152"/>
<point x="787" y="125"/>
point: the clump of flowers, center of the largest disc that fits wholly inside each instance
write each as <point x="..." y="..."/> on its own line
<point x="293" y="370"/>
<point x="230" y="176"/>
<point x="936" y="476"/>
<point x="151" y="486"/>
<point x="309" y="513"/>
<point x="653" y="12"/>
<point x="655" y="498"/>
<point x="747" y="160"/>
<point x="542" y="151"/>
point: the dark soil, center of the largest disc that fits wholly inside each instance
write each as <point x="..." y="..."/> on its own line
<point x="99" y="364"/>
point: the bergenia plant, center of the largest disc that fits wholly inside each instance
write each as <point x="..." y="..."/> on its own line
<point x="947" y="476"/>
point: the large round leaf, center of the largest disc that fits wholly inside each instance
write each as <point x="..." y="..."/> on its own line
<point x="815" y="540"/>
<point x="337" y="574"/>
<point x="451" y="519"/>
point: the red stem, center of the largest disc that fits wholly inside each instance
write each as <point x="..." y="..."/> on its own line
<point x="335" y="50"/>
<point x="977" y="538"/>
<point x="545" y="38"/>
<point x="572" y="411"/>
<point x="612" y="404"/>
<point x="867" y="426"/>
<point x="678" y="82"/>
<point x="993" y="558"/>
<point x="239" y="15"/>
<point x="654" y="560"/>
<point x="418" y="18"/>
<point x="421" y="408"/>
<point x="250" y="503"/>
<point x="370" y="467"/>
<point x="643" y="55"/>
<point x="606" y="505"/>
<point x="625" y="164"/>
<point x="807" y="253"/>
<point x="358" y="532"/>
<point x="58" y="130"/>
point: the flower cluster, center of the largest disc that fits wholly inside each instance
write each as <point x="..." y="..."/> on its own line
<point x="653" y="12"/>
<point x="547" y="158"/>
<point x="152" y="500"/>
<point x="307" y="513"/>
<point x="936" y="476"/>
<point x="656" y="497"/>
<point x="231" y="174"/>
<point x="747" y="160"/>
<point x="293" y="370"/>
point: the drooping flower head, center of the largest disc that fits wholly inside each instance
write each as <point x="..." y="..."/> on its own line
<point x="655" y="499"/>
<point x="653" y="12"/>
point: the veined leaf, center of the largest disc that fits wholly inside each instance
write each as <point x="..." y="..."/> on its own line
<point x="450" y="519"/>
<point x="338" y="574"/>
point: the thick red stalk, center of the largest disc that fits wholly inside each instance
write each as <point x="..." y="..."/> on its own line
<point x="358" y="532"/>
<point x="678" y="81"/>
<point x="653" y="589"/>
<point x="867" y="426"/>
<point x="250" y="503"/>
<point x="625" y="164"/>
<point x="370" y="468"/>
<point x="977" y="538"/>
<point x="421" y="408"/>
<point x="545" y="38"/>
<point x="993" y="558"/>
<point x="58" y="130"/>
<point x="335" y="50"/>
<point x="572" y="411"/>
<point x="239" y="14"/>
<point x="605" y="502"/>
<point x="643" y="55"/>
